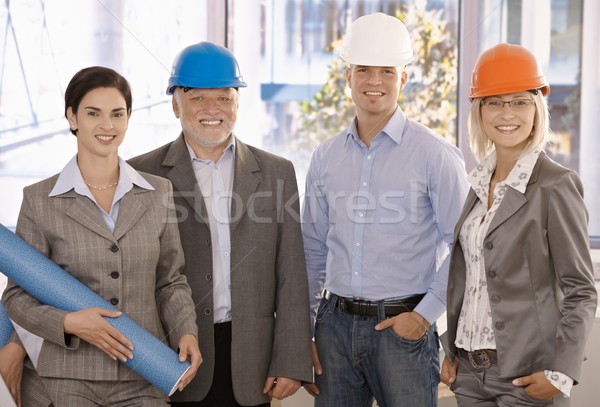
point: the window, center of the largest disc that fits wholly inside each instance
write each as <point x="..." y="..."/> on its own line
<point x="43" y="43"/>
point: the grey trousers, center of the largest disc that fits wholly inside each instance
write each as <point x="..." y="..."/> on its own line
<point x="87" y="393"/>
<point x="484" y="388"/>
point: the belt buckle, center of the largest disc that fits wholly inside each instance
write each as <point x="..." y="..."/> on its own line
<point x="483" y="361"/>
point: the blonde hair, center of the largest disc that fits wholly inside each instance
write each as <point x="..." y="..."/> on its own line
<point x="481" y="145"/>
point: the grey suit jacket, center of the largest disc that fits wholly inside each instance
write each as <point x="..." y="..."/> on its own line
<point x="148" y="285"/>
<point x="269" y="295"/>
<point x="539" y="275"/>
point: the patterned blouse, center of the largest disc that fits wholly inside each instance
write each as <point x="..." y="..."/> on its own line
<point x="475" y="327"/>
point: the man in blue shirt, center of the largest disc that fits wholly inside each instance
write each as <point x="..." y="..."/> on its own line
<point x="382" y="199"/>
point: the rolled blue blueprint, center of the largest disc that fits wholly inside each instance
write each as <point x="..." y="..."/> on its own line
<point x="51" y="285"/>
<point x="6" y="328"/>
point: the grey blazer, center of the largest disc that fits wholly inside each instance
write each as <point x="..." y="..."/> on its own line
<point x="137" y="267"/>
<point x="269" y="291"/>
<point x="539" y="275"/>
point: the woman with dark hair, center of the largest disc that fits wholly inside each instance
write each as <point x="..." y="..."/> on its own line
<point x="114" y="229"/>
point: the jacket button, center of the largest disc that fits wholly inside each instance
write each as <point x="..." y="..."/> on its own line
<point x="491" y="274"/>
<point x="208" y="242"/>
<point x="114" y="248"/>
<point x="499" y="326"/>
<point x="114" y="301"/>
<point x="207" y="311"/>
<point x="495" y="299"/>
<point x="208" y="277"/>
<point x="489" y="245"/>
<point x="114" y="274"/>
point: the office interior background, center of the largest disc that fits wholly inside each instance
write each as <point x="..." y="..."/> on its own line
<point x="296" y="95"/>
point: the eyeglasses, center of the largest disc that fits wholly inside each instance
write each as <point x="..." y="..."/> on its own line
<point x="496" y="105"/>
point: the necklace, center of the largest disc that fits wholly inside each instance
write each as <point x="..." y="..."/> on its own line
<point x="109" y="186"/>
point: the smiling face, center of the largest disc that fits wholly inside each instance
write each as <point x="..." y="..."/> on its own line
<point x="101" y="122"/>
<point x="508" y="127"/>
<point x="207" y="116"/>
<point x="375" y="89"/>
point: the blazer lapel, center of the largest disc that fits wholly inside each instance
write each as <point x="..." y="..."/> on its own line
<point x="85" y="212"/>
<point x="183" y="178"/>
<point x="245" y="182"/>
<point x="513" y="199"/>
<point x="131" y="210"/>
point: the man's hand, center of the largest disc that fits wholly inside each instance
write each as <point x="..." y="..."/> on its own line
<point x="312" y="388"/>
<point x="448" y="372"/>
<point x="408" y="325"/>
<point x="11" y="368"/>
<point x="188" y="349"/>
<point x="89" y="324"/>
<point x="537" y="386"/>
<point x="280" y="387"/>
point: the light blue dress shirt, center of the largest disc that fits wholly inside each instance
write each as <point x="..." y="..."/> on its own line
<point x="216" y="183"/>
<point x="70" y="178"/>
<point x="378" y="221"/>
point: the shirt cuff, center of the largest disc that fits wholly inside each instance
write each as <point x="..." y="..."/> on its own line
<point x="430" y="308"/>
<point x="560" y="380"/>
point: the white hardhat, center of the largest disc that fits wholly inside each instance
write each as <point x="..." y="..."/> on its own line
<point x="377" y="40"/>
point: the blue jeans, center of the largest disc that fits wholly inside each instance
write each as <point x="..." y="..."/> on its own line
<point x="360" y="363"/>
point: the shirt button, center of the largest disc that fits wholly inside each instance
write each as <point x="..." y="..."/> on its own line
<point x="114" y="274"/>
<point x="114" y="301"/>
<point x="114" y="248"/>
<point x="361" y="214"/>
<point x="226" y="254"/>
<point x="364" y="184"/>
<point x="356" y="273"/>
<point x="208" y="277"/>
<point x="489" y="245"/>
<point x="207" y="311"/>
<point x="357" y="244"/>
<point x="499" y="326"/>
<point x="369" y="157"/>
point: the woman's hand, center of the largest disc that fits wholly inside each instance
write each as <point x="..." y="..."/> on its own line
<point x="89" y="324"/>
<point x="188" y="349"/>
<point x="11" y="368"/>
<point x="537" y="386"/>
<point x="448" y="372"/>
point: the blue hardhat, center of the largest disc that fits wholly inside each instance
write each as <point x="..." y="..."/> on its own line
<point x="205" y="65"/>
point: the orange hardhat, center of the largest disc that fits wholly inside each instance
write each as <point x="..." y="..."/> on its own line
<point x="507" y="68"/>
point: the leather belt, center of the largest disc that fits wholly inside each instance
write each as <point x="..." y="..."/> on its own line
<point x="481" y="358"/>
<point x="366" y="308"/>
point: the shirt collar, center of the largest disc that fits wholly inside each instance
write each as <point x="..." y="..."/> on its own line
<point x="70" y="178"/>
<point x="394" y="128"/>
<point x="229" y="148"/>
<point x="480" y="176"/>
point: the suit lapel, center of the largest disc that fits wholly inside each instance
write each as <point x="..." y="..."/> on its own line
<point x="245" y="182"/>
<point x="85" y="212"/>
<point x="131" y="210"/>
<point x="183" y="178"/>
<point x="513" y="200"/>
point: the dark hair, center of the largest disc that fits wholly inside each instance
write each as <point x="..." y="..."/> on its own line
<point x="91" y="78"/>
